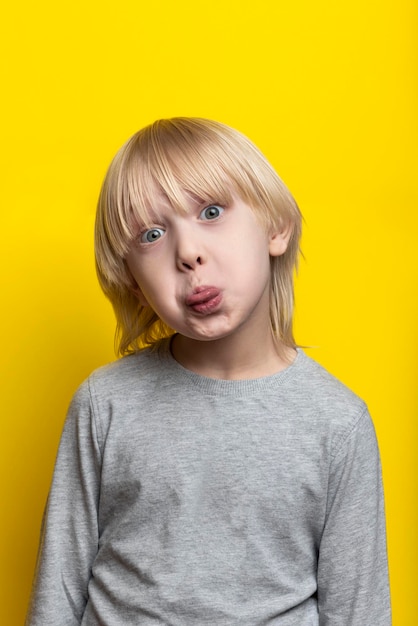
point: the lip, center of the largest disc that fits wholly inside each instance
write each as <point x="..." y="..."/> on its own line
<point x="204" y="299"/>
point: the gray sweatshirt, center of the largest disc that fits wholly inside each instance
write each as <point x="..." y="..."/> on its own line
<point x="181" y="500"/>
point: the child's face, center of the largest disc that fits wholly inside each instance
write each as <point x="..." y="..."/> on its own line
<point x="206" y="273"/>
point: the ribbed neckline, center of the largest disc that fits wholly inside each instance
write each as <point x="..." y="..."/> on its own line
<point x="214" y="386"/>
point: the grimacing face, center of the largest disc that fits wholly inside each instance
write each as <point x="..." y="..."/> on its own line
<point x="206" y="273"/>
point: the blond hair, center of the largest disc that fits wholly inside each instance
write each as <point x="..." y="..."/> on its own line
<point x="179" y="157"/>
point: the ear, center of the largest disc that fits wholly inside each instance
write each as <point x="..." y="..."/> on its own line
<point x="137" y="291"/>
<point x="279" y="240"/>
<point x="142" y="299"/>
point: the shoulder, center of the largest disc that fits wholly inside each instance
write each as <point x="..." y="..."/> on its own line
<point x="138" y="370"/>
<point x="132" y="374"/>
<point x="321" y="387"/>
<point x="114" y="392"/>
<point x="330" y="403"/>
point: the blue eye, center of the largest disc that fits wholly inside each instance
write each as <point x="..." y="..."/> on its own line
<point x="151" y="235"/>
<point x="211" y="212"/>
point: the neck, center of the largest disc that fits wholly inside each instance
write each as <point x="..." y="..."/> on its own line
<point x="230" y="358"/>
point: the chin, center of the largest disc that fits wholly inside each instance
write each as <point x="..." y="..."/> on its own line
<point x="207" y="334"/>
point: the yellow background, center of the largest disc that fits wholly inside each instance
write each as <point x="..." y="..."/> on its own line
<point x="328" y="91"/>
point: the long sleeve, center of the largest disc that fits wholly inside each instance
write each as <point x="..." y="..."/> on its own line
<point x="259" y="502"/>
<point x="353" y="588"/>
<point x="70" y="528"/>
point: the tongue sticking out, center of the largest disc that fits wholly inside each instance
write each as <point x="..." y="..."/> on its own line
<point x="202" y="295"/>
<point x="204" y="299"/>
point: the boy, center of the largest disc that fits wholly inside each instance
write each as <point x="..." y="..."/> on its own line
<point x="215" y="474"/>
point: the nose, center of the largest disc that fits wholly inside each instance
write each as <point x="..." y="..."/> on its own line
<point x="189" y="253"/>
<point x="186" y="266"/>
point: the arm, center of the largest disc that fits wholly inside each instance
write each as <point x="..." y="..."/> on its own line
<point x="70" y="528"/>
<point x="353" y="587"/>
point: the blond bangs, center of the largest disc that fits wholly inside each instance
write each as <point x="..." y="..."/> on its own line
<point x="148" y="165"/>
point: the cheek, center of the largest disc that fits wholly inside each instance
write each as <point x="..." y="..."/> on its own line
<point x="251" y="254"/>
<point x="156" y="288"/>
<point x="142" y="271"/>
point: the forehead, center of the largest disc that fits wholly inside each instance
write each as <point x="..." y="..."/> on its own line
<point x="148" y="174"/>
<point x="157" y="200"/>
<point x="174" y="165"/>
